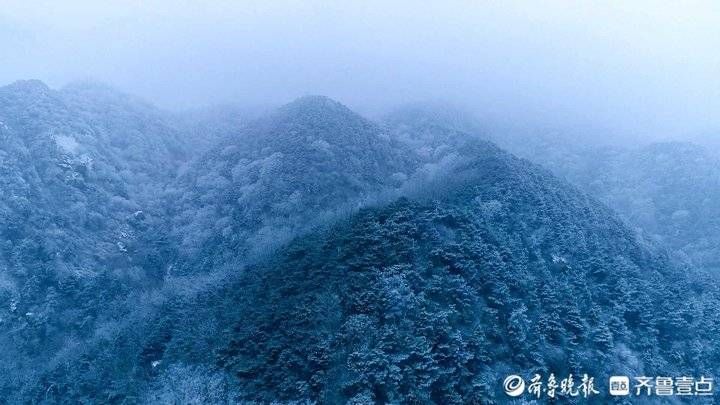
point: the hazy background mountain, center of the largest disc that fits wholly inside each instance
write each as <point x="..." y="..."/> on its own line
<point x="666" y="191"/>
<point x="204" y="127"/>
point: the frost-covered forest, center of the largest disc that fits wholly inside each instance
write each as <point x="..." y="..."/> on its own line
<point x="308" y="254"/>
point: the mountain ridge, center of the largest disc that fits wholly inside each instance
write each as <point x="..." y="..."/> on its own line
<point x="317" y="256"/>
<point x="312" y="158"/>
<point x="438" y="297"/>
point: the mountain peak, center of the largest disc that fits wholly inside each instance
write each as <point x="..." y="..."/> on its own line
<point x="31" y="86"/>
<point x="316" y="108"/>
<point x="433" y="113"/>
<point x="89" y="85"/>
<point x="316" y="117"/>
<point x="314" y="100"/>
<point x="102" y="94"/>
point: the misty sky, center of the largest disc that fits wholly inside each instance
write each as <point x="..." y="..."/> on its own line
<point x="625" y="68"/>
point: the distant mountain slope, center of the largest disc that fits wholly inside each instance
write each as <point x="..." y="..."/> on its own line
<point x="671" y="191"/>
<point x="311" y="159"/>
<point x="88" y="160"/>
<point x="668" y="191"/>
<point x="124" y="136"/>
<point x="497" y="268"/>
<point x="433" y="132"/>
<point x="64" y="203"/>
<point x="80" y="170"/>
<point x="147" y="145"/>
<point x="205" y="128"/>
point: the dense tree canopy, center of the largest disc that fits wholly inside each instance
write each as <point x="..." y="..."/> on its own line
<point x="314" y="255"/>
<point x="438" y="297"/>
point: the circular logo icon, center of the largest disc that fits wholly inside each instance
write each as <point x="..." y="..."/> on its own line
<point x="514" y="385"/>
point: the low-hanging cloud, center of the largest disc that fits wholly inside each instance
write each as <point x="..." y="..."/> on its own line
<point x="639" y="69"/>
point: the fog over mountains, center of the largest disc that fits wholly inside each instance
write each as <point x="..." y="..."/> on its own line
<point x="308" y="253"/>
<point x="612" y="71"/>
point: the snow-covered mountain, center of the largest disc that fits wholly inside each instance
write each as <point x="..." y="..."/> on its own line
<point x="309" y="161"/>
<point x="316" y="256"/>
<point x="80" y="170"/>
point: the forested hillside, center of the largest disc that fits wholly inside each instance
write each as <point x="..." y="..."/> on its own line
<point x="495" y="268"/>
<point x="312" y="255"/>
<point x="668" y="192"/>
<point x="303" y="164"/>
<point x="204" y="128"/>
<point x="80" y="171"/>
